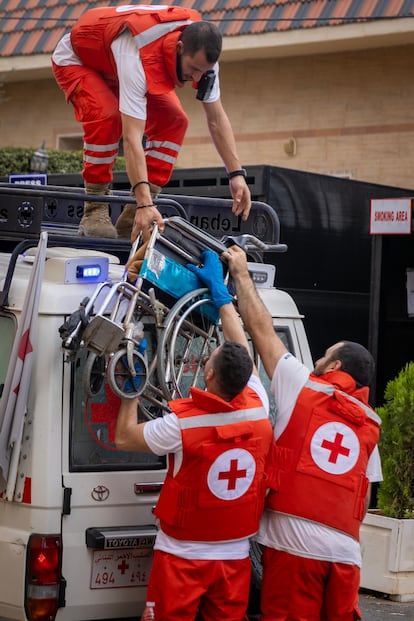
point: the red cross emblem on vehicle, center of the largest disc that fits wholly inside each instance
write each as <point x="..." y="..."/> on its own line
<point x="123" y="566"/>
<point x="335" y="448"/>
<point x="231" y="474"/>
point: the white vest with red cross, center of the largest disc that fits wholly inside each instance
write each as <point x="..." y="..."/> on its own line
<point x="218" y="492"/>
<point x="317" y="468"/>
<point x="155" y="31"/>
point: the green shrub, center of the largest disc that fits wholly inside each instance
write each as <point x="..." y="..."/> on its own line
<point x="16" y="160"/>
<point x="396" y="492"/>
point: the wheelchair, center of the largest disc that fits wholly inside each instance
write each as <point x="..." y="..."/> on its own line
<point x="150" y="338"/>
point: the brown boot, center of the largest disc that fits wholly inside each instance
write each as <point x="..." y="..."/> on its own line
<point x="96" y="221"/>
<point x="126" y="218"/>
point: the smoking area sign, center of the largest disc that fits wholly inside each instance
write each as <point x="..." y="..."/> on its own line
<point x="390" y="216"/>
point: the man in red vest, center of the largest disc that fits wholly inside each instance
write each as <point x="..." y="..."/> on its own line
<point x="217" y="441"/>
<point x="322" y="461"/>
<point x="119" y="67"/>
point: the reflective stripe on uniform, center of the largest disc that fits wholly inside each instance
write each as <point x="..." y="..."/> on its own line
<point x="99" y="160"/>
<point x="156" y="32"/>
<point x="223" y="418"/>
<point x="100" y="147"/>
<point x="328" y="389"/>
<point x="161" y="156"/>
<point x="165" y="144"/>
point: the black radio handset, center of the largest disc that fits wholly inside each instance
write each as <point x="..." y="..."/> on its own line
<point x="205" y="85"/>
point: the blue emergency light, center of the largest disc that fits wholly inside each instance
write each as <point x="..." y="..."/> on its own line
<point x="88" y="272"/>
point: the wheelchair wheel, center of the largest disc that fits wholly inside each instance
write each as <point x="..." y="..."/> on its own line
<point x="93" y="377"/>
<point x="190" y="335"/>
<point x="121" y="380"/>
<point x="152" y="403"/>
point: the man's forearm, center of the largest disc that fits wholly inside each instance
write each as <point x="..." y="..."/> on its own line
<point x="135" y="162"/>
<point x="129" y="435"/>
<point x="255" y="316"/>
<point x="232" y="327"/>
<point x="251" y="308"/>
<point x="222" y="135"/>
<point x="137" y="171"/>
<point x="225" y="143"/>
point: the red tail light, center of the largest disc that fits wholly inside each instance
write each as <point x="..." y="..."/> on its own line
<point x="43" y="577"/>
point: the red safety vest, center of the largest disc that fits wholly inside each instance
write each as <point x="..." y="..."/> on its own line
<point x="317" y="467"/>
<point x="155" y="31"/>
<point x="218" y="492"/>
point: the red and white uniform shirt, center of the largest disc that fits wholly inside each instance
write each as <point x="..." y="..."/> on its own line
<point x="214" y="490"/>
<point x="317" y="466"/>
<point x="123" y="60"/>
<point x="136" y="49"/>
<point x="330" y="469"/>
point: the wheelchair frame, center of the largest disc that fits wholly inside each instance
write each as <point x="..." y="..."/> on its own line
<point x="180" y="313"/>
<point x="186" y="328"/>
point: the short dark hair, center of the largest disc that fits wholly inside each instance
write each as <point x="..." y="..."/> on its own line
<point x="357" y="361"/>
<point x="233" y="367"/>
<point x="202" y="36"/>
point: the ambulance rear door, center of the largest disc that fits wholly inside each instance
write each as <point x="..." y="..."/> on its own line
<point x="108" y="526"/>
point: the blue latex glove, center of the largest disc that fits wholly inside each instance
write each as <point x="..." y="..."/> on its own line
<point x="211" y="275"/>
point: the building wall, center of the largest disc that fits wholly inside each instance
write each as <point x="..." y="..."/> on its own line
<point x="348" y="113"/>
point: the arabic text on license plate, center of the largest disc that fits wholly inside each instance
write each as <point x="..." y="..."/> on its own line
<point x="112" y="569"/>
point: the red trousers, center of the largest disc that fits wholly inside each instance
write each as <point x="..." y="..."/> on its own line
<point x="96" y="104"/>
<point x="217" y="589"/>
<point x="303" y="589"/>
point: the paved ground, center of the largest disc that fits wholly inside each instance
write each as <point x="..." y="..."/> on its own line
<point x="376" y="607"/>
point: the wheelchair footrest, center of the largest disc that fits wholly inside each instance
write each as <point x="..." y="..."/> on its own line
<point x="102" y="336"/>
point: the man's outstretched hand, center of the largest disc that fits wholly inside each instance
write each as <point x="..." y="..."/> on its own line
<point x="144" y="222"/>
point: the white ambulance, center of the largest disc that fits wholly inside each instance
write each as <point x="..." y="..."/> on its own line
<point x="76" y="514"/>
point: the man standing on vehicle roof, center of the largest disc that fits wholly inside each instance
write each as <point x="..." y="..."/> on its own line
<point x="119" y="67"/>
<point x="216" y="441"/>
<point x="322" y="461"/>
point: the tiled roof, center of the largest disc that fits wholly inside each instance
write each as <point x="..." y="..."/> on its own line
<point x="35" y="26"/>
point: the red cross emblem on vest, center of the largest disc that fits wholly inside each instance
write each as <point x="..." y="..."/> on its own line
<point x="231" y="474"/>
<point x="335" y="447"/>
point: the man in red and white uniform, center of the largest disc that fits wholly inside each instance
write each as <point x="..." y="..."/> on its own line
<point x="323" y="459"/>
<point x="217" y="442"/>
<point x="119" y="67"/>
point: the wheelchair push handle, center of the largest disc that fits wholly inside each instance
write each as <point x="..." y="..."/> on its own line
<point x="250" y="242"/>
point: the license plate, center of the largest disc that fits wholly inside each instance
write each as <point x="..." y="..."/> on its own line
<point x="114" y="569"/>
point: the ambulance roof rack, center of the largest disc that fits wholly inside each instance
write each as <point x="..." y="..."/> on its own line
<point x="26" y="210"/>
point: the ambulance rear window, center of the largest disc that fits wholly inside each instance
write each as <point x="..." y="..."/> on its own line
<point x="92" y="429"/>
<point x="285" y="336"/>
